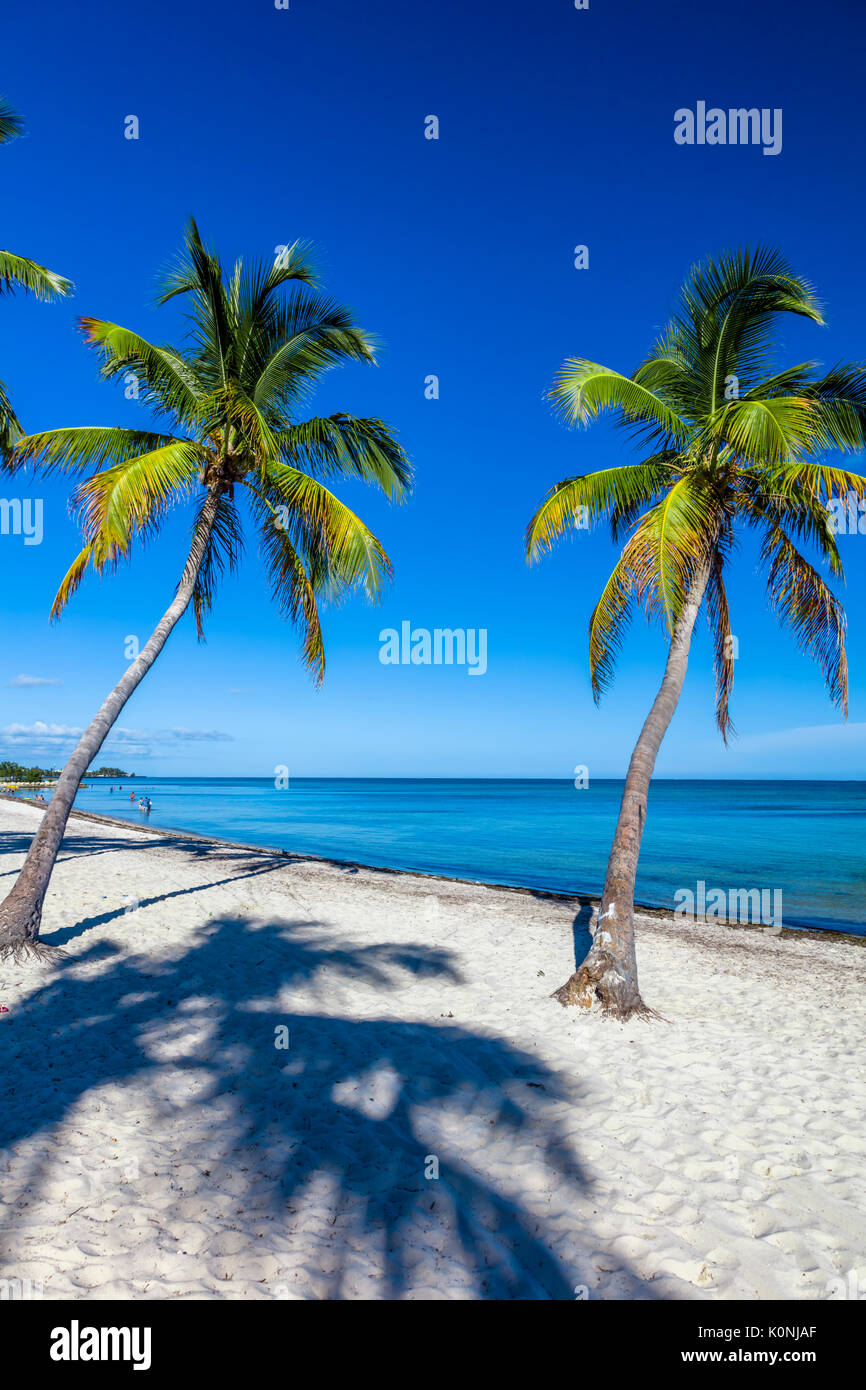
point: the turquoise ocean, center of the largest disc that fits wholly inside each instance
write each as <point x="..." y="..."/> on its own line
<point x="806" y="839"/>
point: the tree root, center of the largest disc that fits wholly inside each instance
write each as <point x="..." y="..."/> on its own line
<point x="598" y="984"/>
<point x="25" y="950"/>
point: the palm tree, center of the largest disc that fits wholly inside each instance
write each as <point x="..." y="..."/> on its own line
<point x="230" y="406"/>
<point x="27" y="275"/>
<point x="727" y="443"/>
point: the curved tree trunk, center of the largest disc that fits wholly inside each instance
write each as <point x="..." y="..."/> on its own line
<point x="608" y="974"/>
<point x="21" y="912"/>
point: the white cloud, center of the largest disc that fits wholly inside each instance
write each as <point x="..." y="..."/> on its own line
<point x="39" y="730"/>
<point x="33" y="680"/>
<point x="200" y="735"/>
<point x="40" y="738"/>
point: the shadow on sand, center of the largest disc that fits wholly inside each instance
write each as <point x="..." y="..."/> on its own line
<point x="270" y="1125"/>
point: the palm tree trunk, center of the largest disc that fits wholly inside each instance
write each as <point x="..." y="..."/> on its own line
<point x="21" y="912"/>
<point x="608" y="974"/>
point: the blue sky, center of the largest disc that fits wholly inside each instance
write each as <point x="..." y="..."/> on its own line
<point x="556" y="129"/>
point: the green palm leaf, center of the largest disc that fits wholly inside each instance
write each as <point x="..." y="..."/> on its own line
<point x="130" y="498"/>
<point x="172" y="383"/>
<point x="719" y="619"/>
<point x="10" y="430"/>
<point x="85" y="446"/>
<point x="583" y="389"/>
<point x="21" y="273"/>
<point x="610" y="618"/>
<point x="742" y="441"/>
<point x="803" y="601"/>
<point x="612" y="492"/>
<point x="679" y="533"/>
<point x="295" y="595"/>
<point x="346" y="446"/>
<point x="18" y="271"/>
<point x="11" y="122"/>
<point x="333" y="540"/>
<point x="258" y="340"/>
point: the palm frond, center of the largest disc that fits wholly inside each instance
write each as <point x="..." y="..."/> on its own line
<point x="719" y="619"/>
<point x="129" y="499"/>
<point x="679" y="533"/>
<point x="11" y="122"/>
<point x="582" y="390"/>
<point x="71" y="581"/>
<point x="807" y="606"/>
<point x="789" y="496"/>
<point x="224" y="551"/>
<point x="172" y="384"/>
<point x="739" y="439"/>
<point x="730" y="306"/>
<point x="347" y="446"/>
<point x="199" y="274"/>
<point x="19" y="272"/>
<point x="338" y="550"/>
<point x="231" y="397"/>
<point x="611" y="492"/>
<point x="771" y="430"/>
<point x="79" y="447"/>
<point x="294" y="594"/>
<point x="610" y="617"/>
<point x="299" y="342"/>
<point x="839" y="398"/>
<point x="10" y="431"/>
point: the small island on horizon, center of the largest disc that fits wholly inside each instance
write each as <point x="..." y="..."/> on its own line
<point x="14" y="773"/>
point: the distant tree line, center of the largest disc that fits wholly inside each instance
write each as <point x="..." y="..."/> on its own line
<point x="14" y="772"/>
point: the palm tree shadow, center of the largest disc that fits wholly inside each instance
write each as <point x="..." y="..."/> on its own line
<point x="61" y="936"/>
<point x="276" y="1092"/>
<point x="582" y="930"/>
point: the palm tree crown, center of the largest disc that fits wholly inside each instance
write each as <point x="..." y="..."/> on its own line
<point x="230" y="404"/>
<point x="726" y="440"/>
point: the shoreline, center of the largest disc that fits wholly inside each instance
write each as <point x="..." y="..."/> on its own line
<point x="175" y="1147"/>
<point x="581" y="897"/>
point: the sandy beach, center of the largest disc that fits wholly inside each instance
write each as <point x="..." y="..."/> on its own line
<point x="245" y="1076"/>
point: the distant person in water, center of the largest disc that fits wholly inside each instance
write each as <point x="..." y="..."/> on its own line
<point x="132" y="796"/>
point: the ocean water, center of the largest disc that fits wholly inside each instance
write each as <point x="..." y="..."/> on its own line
<point x="804" y="839"/>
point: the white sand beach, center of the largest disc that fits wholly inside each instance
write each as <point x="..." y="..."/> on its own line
<point x="157" y="1143"/>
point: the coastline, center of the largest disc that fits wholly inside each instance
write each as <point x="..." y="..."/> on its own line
<point x="581" y="897"/>
<point x="160" y="1142"/>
